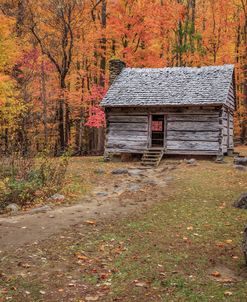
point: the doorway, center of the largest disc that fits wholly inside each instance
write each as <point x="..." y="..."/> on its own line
<point x="157" y="131"/>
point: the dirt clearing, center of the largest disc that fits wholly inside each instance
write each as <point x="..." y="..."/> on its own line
<point x="111" y="198"/>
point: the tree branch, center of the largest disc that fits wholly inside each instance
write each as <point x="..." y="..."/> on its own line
<point x="94" y="8"/>
<point x="45" y="51"/>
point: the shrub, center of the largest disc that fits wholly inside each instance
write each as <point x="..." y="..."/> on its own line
<point x="23" y="180"/>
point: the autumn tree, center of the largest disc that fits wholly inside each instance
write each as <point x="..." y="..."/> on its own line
<point x="11" y="105"/>
<point x="56" y="58"/>
<point x="53" y="26"/>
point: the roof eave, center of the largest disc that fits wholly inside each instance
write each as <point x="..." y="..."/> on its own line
<point x="163" y="105"/>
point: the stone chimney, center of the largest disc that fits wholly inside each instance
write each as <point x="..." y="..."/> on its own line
<point x="115" y="67"/>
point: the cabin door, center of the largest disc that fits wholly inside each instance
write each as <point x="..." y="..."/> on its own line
<point x="157" y="131"/>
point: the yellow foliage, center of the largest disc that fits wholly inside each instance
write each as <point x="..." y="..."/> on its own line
<point x="10" y="104"/>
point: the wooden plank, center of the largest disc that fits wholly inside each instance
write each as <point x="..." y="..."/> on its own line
<point x="191" y="152"/>
<point x="128" y="119"/>
<point x="129" y="126"/>
<point x="193" y="136"/>
<point x="149" y="130"/>
<point x="126" y="150"/>
<point x="128" y="137"/>
<point x="127" y="144"/>
<point x="165" y="131"/>
<point x="163" y="110"/>
<point x="230" y="119"/>
<point x="127" y="133"/>
<point x="231" y="98"/>
<point x="193" y="118"/>
<point x="129" y="112"/>
<point x="192" y="126"/>
<point x="128" y="141"/>
<point x="189" y="145"/>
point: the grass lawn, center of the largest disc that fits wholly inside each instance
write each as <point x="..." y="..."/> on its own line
<point x="186" y="247"/>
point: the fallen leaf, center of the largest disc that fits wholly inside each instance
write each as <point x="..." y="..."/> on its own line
<point x="82" y="257"/>
<point x="220" y="244"/>
<point x="105" y="286"/>
<point x="216" y="274"/>
<point x="190" y="228"/>
<point x="140" y="284"/>
<point x="104" y="276"/>
<point x="92" y="298"/>
<point x="91" y="222"/>
<point x="102" y="248"/>
<point x="229" y="241"/>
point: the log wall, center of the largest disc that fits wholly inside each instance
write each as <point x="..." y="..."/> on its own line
<point x="187" y="130"/>
<point x="196" y="133"/>
<point x="126" y="133"/>
<point x="228" y="128"/>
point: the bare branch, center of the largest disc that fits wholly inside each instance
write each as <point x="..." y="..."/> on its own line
<point x="94" y="8"/>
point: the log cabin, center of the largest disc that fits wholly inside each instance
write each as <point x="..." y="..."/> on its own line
<point x="178" y="110"/>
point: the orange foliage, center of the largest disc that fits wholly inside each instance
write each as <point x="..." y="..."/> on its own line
<point x="143" y="33"/>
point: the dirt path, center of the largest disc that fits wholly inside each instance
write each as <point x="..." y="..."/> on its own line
<point x="125" y="193"/>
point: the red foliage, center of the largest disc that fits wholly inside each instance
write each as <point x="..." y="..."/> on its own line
<point x="96" y="114"/>
<point x="96" y="118"/>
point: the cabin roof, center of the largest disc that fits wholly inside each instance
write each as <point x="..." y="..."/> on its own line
<point x="170" y="86"/>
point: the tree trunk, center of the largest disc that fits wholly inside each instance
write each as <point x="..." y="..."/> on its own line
<point x="44" y="102"/>
<point x="20" y="17"/>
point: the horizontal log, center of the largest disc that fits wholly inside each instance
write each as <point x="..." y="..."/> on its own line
<point x="195" y="145"/>
<point x="193" y="135"/>
<point x="194" y="118"/>
<point x="191" y="152"/>
<point x="129" y="142"/>
<point x="127" y="138"/>
<point x="128" y="126"/>
<point x="203" y="126"/>
<point x="125" y="150"/>
<point x="126" y="144"/>
<point x="125" y="111"/>
<point x="123" y="133"/>
<point x="161" y="110"/>
<point x="127" y="119"/>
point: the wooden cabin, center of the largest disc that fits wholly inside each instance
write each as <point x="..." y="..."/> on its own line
<point x="178" y="110"/>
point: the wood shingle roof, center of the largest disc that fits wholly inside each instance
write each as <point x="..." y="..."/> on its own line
<point x="170" y="86"/>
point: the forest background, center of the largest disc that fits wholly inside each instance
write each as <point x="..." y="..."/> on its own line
<point x="54" y="58"/>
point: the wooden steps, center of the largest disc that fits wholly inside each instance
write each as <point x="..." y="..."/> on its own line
<point x="152" y="157"/>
